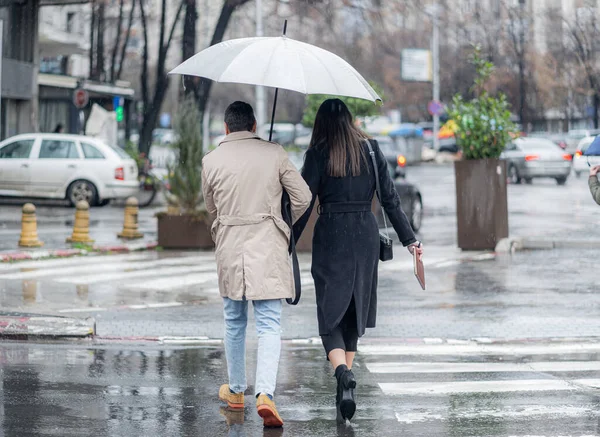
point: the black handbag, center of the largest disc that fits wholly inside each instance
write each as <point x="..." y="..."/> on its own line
<point x="386" y="249"/>
<point x="286" y="213"/>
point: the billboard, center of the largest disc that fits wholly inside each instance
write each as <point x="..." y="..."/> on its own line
<point x="417" y="65"/>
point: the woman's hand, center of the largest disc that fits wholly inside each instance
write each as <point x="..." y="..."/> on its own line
<point x="595" y="170"/>
<point x="416" y="246"/>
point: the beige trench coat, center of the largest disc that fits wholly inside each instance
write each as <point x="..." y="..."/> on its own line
<point x="242" y="182"/>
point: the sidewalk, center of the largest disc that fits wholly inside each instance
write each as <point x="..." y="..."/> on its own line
<point x="55" y="224"/>
<point x="20" y="325"/>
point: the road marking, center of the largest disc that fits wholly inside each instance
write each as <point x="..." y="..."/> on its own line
<point x="476" y="349"/>
<point x="102" y="267"/>
<point x="506" y="412"/>
<point x="124" y="307"/>
<point x="165" y="271"/>
<point x="549" y="366"/>
<point x="455" y="387"/>
<point x="74" y="261"/>
<point x="171" y="283"/>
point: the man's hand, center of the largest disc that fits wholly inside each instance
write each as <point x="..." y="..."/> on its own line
<point x="595" y="170"/>
<point x="418" y="247"/>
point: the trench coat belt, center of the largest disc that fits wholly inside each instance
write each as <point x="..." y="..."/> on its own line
<point x="245" y="220"/>
<point x="344" y="207"/>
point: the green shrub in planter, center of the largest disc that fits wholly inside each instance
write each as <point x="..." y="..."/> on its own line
<point x="483" y="124"/>
<point x="185" y="176"/>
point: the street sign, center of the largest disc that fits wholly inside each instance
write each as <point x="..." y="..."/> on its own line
<point x="80" y="98"/>
<point x="417" y="65"/>
<point x="435" y="108"/>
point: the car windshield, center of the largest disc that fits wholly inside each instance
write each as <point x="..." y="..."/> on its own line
<point x="387" y="146"/>
<point x="122" y="153"/>
<point x="583" y="146"/>
<point x="540" y="144"/>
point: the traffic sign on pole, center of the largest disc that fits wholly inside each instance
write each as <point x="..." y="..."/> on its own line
<point x="435" y="108"/>
<point x="80" y="98"/>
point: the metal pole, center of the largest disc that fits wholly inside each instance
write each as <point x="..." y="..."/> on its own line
<point x="261" y="103"/>
<point x="436" y="74"/>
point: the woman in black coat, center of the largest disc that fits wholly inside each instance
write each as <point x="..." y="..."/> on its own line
<point x="339" y="170"/>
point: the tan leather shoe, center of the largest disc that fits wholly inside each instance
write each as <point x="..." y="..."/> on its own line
<point x="234" y="400"/>
<point x="266" y="409"/>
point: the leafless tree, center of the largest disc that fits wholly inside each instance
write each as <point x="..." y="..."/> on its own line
<point x="583" y="33"/>
<point x="152" y="102"/>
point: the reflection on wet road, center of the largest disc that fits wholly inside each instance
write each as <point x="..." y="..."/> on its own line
<point x="404" y="389"/>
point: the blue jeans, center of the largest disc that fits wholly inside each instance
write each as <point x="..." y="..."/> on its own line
<point x="267" y="314"/>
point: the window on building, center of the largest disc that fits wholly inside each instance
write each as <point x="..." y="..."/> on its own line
<point x="70" y="21"/>
<point x="17" y="150"/>
<point x="91" y="152"/>
<point x="58" y="149"/>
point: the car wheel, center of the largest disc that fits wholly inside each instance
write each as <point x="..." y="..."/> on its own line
<point x="104" y="202"/>
<point x="561" y="181"/>
<point x="513" y="175"/>
<point x="82" y="190"/>
<point x="528" y="181"/>
<point x="416" y="216"/>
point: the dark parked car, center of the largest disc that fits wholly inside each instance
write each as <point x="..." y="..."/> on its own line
<point x="530" y="158"/>
<point x="410" y="196"/>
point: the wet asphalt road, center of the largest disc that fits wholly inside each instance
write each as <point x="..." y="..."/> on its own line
<point x="531" y="294"/>
<point x="126" y="389"/>
<point x="135" y="391"/>
<point x="539" y="210"/>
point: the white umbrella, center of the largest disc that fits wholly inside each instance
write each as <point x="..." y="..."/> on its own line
<point x="278" y="62"/>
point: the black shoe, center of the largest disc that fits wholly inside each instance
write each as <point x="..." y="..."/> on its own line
<point x="340" y="420"/>
<point x="346" y="386"/>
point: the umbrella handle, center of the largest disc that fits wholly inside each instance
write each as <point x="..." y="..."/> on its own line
<point x="276" y="92"/>
<point x="273" y="114"/>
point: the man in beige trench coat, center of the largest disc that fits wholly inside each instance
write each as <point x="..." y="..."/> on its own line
<point x="243" y="181"/>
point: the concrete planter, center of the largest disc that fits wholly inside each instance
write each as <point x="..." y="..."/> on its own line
<point x="183" y="232"/>
<point x="481" y="203"/>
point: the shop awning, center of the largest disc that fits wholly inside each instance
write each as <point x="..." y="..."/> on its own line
<point x="70" y="82"/>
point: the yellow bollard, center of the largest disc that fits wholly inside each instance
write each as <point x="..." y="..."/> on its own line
<point x="81" y="229"/>
<point x="29" y="236"/>
<point x="130" y="225"/>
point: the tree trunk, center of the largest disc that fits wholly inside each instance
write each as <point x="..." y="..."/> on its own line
<point x="596" y="108"/>
<point x="188" y="47"/>
<point x="92" y="40"/>
<point x="117" y="43"/>
<point x="100" y="43"/>
<point x="126" y="42"/>
<point x="522" y="94"/>
<point x="229" y="6"/>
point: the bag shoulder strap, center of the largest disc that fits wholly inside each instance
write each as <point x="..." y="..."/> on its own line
<point x="377" y="184"/>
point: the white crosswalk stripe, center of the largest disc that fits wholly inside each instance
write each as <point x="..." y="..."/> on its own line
<point x="437" y="383"/>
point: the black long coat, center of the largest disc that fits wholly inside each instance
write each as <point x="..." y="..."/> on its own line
<point x="346" y="245"/>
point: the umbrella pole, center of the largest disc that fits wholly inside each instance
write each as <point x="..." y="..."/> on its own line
<point x="276" y="92"/>
<point x="273" y="114"/>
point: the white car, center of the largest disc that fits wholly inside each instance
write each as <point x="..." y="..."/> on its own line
<point x="72" y="167"/>
<point x="582" y="164"/>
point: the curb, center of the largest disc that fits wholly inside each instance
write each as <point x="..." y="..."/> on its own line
<point x="29" y="326"/>
<point x="66" y="253"/>
<point x="512" y="245"/>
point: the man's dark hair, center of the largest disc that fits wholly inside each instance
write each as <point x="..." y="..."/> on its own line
<point x="239" y="117"/>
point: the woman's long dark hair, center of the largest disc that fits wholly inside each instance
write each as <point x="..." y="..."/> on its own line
<point x="334" y="128"/>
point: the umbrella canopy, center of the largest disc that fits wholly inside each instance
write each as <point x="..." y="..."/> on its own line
<point x="594" y="148"/>
<point x="278" y="62"/>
